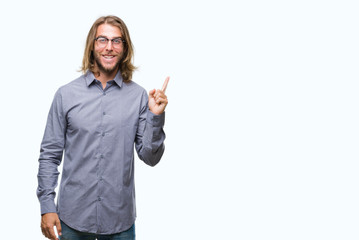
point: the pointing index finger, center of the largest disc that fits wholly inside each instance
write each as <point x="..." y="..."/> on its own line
<point x="165" y="84"/>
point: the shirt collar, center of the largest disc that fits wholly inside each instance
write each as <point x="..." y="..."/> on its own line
<point x="90" y="78"/>
<point x="118" y="79"/>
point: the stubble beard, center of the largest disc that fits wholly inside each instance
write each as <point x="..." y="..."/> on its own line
<point x="103" y="69"/>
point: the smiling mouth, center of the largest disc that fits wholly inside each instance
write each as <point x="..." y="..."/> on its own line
<point x="108" y="56"/>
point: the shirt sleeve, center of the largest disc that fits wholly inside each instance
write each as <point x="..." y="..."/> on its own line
<point x="150" y="136"/>
<point x="51" y="152"/>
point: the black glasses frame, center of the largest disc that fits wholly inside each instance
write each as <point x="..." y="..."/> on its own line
<point x="110" y="39"/>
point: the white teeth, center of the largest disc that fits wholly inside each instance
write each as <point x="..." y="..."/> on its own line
<point x="108" y="57"/>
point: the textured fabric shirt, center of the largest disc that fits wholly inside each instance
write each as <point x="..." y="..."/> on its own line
<point x="96" y="130"/>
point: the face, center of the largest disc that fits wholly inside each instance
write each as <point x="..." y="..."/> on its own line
<point x="107" y="58"/>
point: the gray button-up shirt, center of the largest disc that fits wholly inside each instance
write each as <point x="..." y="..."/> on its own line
<point x="97" y="130"/>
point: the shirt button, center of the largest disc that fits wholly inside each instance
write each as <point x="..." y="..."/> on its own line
<point x="103" y="134"/>
<point x="104" y="113"/>
<point x="104" y="93"/>
<point x="99" y="199"/>
<point x="101" y="156"/>
<point x="101" y="178"/>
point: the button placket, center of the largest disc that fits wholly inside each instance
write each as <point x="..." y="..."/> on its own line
<point x="100" y="150"/>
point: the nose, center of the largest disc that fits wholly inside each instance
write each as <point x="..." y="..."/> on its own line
<point x="109" y="46"/>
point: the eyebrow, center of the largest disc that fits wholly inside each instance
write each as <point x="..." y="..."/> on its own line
<point x="107" y="37"/>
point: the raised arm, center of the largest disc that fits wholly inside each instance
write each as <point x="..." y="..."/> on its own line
<point x="150" y="135"/>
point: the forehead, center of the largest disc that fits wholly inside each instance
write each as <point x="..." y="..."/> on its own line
<point x="108" y="30"/>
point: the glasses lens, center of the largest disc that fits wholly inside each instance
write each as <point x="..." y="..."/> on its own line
<point x="101" y="41"/>
<point x="117" y="42"/>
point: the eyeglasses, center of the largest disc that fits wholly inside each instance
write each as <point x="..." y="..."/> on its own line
<point x="102" y="42"/>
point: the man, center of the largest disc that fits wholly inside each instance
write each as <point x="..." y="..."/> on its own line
<point x="96" y="120"/>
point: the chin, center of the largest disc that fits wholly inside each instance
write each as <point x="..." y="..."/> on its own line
<point x="108" y="69"/>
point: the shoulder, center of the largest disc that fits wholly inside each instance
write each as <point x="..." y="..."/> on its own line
<point x="73" y="86"/>
<point x="136" y="93"/>
<point x="68" y="92"/>
<point x="134" y="87"/>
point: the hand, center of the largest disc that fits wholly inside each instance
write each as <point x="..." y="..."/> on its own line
<point x="48" y="221"/>
<point x="157" y="100"/>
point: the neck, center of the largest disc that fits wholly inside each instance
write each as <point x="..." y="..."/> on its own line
<point x="104" y="77"/>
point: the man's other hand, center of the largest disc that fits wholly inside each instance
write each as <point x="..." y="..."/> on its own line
<point x="48" y="221"/>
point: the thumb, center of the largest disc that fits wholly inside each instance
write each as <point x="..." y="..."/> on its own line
<point x="150" y="93"/>
<point x="58" y="227"/>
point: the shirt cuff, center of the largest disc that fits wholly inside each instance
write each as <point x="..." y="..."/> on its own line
<point x="155" y="120"/>
<point x="47" y="207"/>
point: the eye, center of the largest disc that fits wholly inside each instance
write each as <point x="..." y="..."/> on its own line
<point x="102" y="40"/>
<point x="117" y="40"/>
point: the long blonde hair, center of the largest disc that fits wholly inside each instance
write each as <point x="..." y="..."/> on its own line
<point x="126" y="62"/>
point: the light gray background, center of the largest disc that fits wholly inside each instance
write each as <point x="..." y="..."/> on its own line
<point x="262" y="122"/>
